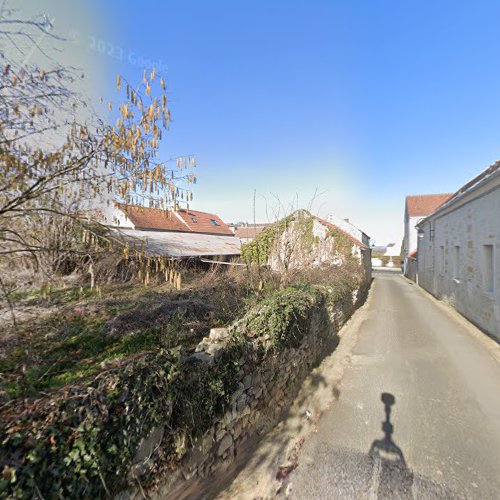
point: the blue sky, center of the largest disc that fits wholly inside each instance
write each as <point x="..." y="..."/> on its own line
<point x="365" y="101"/>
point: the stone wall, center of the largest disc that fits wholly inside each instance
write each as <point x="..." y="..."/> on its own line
<point x="267" y="382"/>
<point x="452" y="264"/>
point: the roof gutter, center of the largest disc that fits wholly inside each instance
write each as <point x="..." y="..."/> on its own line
<point x="210" y="261"/>
<point x="473" y="185"/>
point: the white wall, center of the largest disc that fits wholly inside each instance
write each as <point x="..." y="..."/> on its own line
<point x="411" y="238"/>
<point x="410" y="243"/>
<point x="116" y="218"/>
<point x="452" y="265"/>
<point x="348" y="228"/>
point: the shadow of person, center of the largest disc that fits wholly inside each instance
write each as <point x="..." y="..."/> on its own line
<point x="391" y="478"/>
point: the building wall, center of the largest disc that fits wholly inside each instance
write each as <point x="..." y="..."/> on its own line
<point x="453" y="263"/>
<point x="115" y="217"/>
<point x="366" y="260"/>
<point x="349" y="228"/>
<point x="410" y="243"/>
<point x="411" y="269"/>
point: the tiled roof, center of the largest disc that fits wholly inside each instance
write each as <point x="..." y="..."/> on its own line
<point x="191" y="221"/>
<point x="248" y="231"/>
<point x="421" y="205"/>
<point x="203" y="222"/>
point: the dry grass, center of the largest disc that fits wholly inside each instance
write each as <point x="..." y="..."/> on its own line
<point x="75" y="332"/>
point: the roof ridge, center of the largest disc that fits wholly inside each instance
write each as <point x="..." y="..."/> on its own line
<point x="182" y="220"/>
<point x="428" y="194"/>
<point x="328" y="223"/>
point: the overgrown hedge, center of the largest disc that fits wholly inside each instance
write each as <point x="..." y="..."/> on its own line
<point x="258" y="250"/>
<point x="284" y="317"/>
<point x="80" y="441"/>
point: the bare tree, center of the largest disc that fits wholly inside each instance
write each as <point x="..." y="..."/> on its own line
<point x="46" y="185"/>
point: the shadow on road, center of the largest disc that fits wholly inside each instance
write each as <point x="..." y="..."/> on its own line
<point x="391" y="477"/>
<point x="386" y="270"/>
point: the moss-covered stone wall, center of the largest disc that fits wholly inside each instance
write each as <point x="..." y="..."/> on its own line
<point x="169" y="416"/>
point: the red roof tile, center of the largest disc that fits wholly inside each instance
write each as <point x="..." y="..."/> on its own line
<point x="191" y="221"/>
<point x="421" y="205"/>
<point x="248" y="231"/>
<point x="203" y="222"/>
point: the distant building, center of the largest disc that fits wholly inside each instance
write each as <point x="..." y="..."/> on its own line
<point x="459" y="251"/>
<point x="349" y="228"/>
<point x="325" y="245"/>
<point x="417" y="207"/>
<point x="386" y="256"/>
<point x="184" y="233"/>
<point x="247" y="232"/>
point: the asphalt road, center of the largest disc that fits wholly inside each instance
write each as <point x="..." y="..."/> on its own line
<point x="437" y="432"/>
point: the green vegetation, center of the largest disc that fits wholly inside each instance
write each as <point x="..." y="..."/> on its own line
<point x="261" y="247"/>
<point x="258" y="250"/>
<point x="284" y="316"/>
<point x="84" y="384"/>
<point x="343" y="244"/>
<point x="82" y="441"/>
<point x="83" y="349"/>
<point x="87" y="334"/>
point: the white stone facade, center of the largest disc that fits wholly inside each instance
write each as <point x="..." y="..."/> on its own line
<point x="459" y="253"/>
<point x="410" y="241"/>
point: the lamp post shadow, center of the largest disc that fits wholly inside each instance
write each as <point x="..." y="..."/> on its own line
<point x="391" y="477"/>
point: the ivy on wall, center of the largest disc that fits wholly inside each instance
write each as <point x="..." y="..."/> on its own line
<point x="81" y="441"/>
<point x="258" y="250"/>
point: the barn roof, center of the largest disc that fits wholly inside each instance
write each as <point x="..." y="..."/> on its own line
<point x="183" y="244"/>
<point x="185" y="221"/>
<point x="249" y="231"/>
<point x="421" y="205"/>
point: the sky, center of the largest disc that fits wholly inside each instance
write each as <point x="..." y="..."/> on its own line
<point x="341" y="106"/>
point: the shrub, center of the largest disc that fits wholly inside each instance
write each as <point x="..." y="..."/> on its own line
<point x="284" y="316"/>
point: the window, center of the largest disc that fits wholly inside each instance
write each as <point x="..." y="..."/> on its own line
<point x="456" y="262"/>
<point x="214" y="222"/>
<point x="442" y="260"/>
<point x="194" y="220"/>
<point x="488" y="279"/>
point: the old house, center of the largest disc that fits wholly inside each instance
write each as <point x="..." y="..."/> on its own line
<point x="348" y="227"/>
<point x="417" y="207"/>
<point x="184" y="233"/>
<point x="302" y="240"/>
<point x="459" y="251"/>
<point x="358" y="240"/>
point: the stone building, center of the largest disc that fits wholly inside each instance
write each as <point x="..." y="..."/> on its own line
<point x="307" y="241"/>
<point x="416" y="208"/>
<point x="459" y="251"/>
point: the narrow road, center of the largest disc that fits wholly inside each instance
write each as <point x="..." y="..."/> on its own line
<point x="436" y="434"/>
